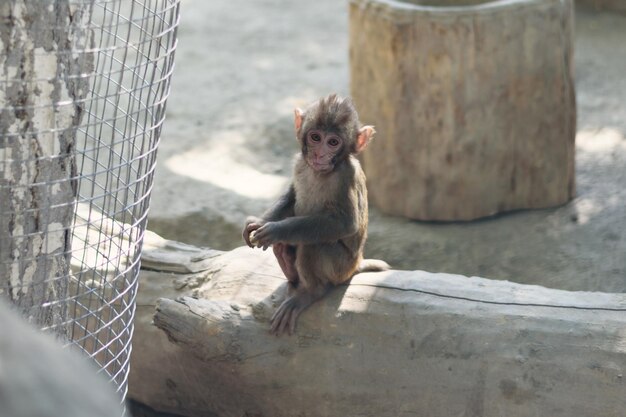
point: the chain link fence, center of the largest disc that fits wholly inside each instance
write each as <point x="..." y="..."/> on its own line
<point x="84" y="85"/>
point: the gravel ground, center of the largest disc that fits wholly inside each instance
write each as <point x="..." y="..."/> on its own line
<point x="228" y="141"/>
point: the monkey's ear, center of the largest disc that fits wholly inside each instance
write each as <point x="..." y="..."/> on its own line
<point x="299" y="116"/>
<point x="366" y="133"/>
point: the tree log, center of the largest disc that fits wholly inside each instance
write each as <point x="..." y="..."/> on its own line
<point x="41" y="67"/>
<point x="396" y="343"/>
<point x="474" y="105"/>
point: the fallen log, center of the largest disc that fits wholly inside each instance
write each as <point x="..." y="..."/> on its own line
<point x="395" y="343"/>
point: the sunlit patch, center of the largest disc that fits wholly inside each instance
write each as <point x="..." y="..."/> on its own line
<point x="620" y="346"/>
<point x="600" y="140"/>
<point x="585" y="209"/>
<point x="217" y="166"/>
<point x="361" y="291"/>
<point x="356" y="299"/>
<point x="287" y="104"/>
<point x="264" y="63"/>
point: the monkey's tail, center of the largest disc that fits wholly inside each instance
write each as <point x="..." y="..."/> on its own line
<point x="372" y="265"/>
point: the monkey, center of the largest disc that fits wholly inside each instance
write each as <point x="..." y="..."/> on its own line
<point x="318" y="227"/>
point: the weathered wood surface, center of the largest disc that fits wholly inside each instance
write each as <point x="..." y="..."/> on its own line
<point x="397" y="343"/>
<point x="38" y="378"/>
<point x="608" y="5"/>
<point x="42" y="91"/>
<point x="474" y="106"/>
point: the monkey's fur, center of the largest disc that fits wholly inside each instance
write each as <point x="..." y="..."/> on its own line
<point x="318" y="227"/>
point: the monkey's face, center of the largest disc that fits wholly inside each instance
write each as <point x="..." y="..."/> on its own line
<point x="322" y="150"/>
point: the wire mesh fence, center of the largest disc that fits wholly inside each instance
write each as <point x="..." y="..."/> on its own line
<point x="84" y="85"/>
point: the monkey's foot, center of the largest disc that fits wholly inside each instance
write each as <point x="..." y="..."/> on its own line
<point x="284" y="319"/>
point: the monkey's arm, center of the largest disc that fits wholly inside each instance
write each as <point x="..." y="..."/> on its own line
<point x="283" y="207"/>
<point x="317" y="228"/>
<point x="338" y="221"/>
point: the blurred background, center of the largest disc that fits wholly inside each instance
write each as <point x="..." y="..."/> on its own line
<point x="228" y="143"/>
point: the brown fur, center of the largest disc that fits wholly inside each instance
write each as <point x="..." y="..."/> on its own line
<point x="332" y="114"/>
<point x="342" y="193"/>
<point x="319" y="226"/>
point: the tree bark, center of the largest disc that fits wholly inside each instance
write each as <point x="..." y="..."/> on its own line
<point x="398" y="343"/>
<point x="42" y="64"/>
<point x="474" y="106"/>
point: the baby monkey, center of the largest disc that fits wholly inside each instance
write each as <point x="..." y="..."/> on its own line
<point x="318" y="227"/>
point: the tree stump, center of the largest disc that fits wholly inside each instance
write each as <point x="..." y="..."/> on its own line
<point x="473" y="101"/>
<point x="389" y="344"/>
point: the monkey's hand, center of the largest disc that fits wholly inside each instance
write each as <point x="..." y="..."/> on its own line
<point x="252" y="224"/>
<point x="266" y="235"/>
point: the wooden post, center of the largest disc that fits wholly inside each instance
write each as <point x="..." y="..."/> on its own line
<point x="41" y="66"/>
<point x="473" y="102"/>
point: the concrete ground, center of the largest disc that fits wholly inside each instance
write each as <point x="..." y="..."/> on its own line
<point x="228" y="140"/>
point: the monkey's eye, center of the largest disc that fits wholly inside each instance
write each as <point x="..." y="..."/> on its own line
<point x="315" y="137"/>
<point x="333" y="142"/>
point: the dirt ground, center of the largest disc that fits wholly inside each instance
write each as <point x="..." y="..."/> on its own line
<point x="241" y="68"/>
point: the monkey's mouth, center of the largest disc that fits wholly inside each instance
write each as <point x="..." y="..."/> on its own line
<point x="321" y="166"/>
